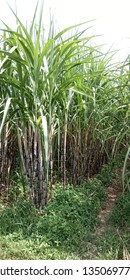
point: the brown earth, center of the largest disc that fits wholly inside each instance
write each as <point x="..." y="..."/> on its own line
<point x="112" y="193"/>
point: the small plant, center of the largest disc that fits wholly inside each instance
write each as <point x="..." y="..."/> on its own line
<point x="108" y="245"/>
<point x="106" y="174"/>
<point x="120" y="216"/>
<point x="18" y="216"/>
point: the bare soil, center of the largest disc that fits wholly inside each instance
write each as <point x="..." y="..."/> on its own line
<point x="112" y="193"/>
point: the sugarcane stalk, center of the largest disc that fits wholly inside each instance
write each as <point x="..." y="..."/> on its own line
<point x="30" y="151"/>
<point x="64" y="154"/>
<point x="24" y="171"/>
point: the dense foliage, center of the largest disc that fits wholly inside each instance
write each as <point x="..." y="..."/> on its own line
<point x="67" y="107"/>
<point x="64" y="117"/>
<point x="65" y="224"/>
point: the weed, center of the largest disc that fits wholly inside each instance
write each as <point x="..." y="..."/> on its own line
<point x="67" y="221"/>
<point x="106" y="174"/>
<point x="120" y="216"/>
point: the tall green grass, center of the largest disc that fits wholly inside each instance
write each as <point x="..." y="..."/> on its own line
<point x="69" y="105"/>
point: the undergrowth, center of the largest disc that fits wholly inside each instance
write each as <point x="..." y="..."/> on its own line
<point x="57" y="232"/>
<point x="120" y="216"/>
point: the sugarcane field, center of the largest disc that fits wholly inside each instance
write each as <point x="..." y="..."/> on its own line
<point x="64" y="144"/>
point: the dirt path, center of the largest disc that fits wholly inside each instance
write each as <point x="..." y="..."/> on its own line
<point x="112" y="193"/>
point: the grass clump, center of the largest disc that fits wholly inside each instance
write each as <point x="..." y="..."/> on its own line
<point x="106" y="174"/>
<point x="108" y="245"/>
<point x="18" y="216"/>
<point x="120" y="216"/>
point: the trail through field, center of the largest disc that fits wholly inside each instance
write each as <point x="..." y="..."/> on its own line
<point x="112" y="193"/>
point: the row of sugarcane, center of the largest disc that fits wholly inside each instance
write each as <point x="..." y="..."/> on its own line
<point x="68" y="108"/>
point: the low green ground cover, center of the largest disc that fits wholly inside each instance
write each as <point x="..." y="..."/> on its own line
<point x="59" y="231"/>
